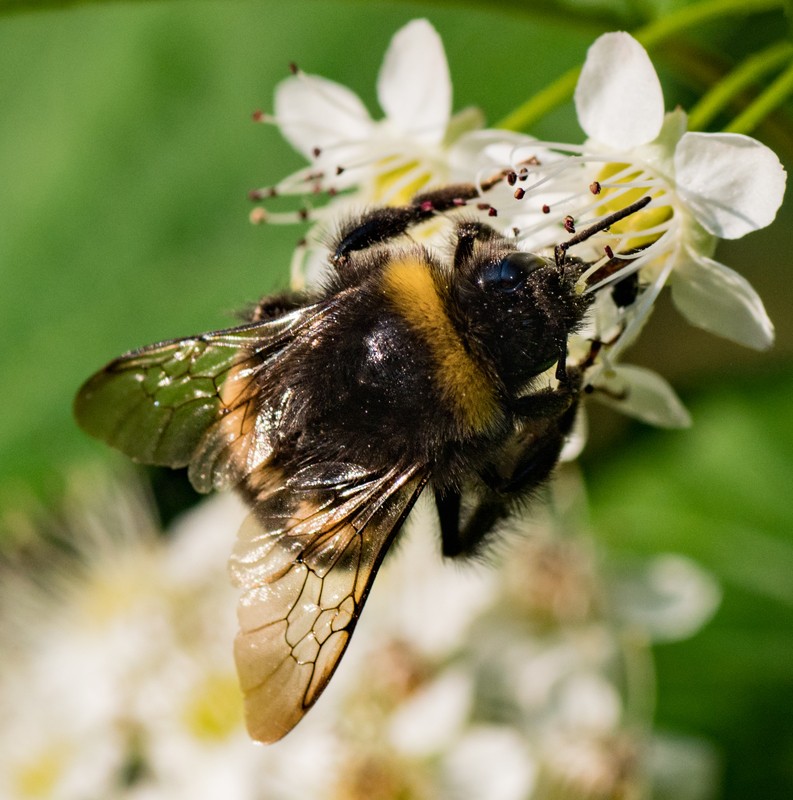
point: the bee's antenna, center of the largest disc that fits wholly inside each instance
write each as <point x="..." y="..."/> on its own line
<point x="560" y="251"/>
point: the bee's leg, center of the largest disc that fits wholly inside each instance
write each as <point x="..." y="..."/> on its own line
<point x="466" y="540"/>
<point x="534" y="454"/>
<point x="381" y="224"/>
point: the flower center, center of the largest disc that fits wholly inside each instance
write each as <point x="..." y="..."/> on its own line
<point x="623" y="185"/>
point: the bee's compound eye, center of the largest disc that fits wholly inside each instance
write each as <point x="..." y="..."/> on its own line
<point x="510" y="272"/>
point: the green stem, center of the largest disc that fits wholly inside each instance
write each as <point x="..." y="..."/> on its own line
<point x="743" y="76"/>
<point x="650" y="35"/>
<point x="765" y="103"/>
<point x="540" y="104"/>
<point x="690" y="16"/>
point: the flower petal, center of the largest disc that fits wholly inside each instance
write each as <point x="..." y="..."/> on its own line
<point x="313" y="111"/>
<point x="718" y="299"/>
<point x="414" y="87"/>
<point x="733" y="183"/>
<point x="643" y="394"/>
<point x="618" y="98"/>
<point x="669" y="597"/>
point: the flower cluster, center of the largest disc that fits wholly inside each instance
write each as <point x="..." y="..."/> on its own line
<point x="701" y="187"/>
<point x="526" y="682"/>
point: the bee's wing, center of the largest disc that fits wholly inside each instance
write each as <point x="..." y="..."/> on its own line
<point x="194" y="401"/>
<point x="306" y="558"/>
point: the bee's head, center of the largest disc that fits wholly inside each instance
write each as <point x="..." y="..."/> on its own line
<point x="518" y="308"/>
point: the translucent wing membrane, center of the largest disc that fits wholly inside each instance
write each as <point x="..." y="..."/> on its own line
<point x="195" y="400"/>
<point x="306" y="558"/>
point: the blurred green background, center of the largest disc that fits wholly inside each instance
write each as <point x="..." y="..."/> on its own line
<point x="126" y="155"/>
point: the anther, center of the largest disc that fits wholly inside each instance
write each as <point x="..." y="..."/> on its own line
<point x="546" y="209"/>
<point x="293" y="68"/>
<point x="258" y="216"/>
<point x="569" y="224"/>
<point x="316" y="151"/>
<point x="609" y="251"/>
<point x="519" y="193"/>
<point x="512" y="177"/>
<point x="594" y="187"/>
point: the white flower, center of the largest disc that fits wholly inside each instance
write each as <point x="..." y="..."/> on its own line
<point x="384" y="161"/>
<point x="703" y="187"/>
<point x="710" y="185"/>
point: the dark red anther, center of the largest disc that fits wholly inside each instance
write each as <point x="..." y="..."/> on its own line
<point x="512" y="177"/>
<point x="339" y="170"/>
<point x="316" y="152"/>
<point x="255" y="194"/>
<point x="595" y="187"/>
<point x="491" y="212"/>
<point x="258" y="115"/>
<point x="569" y="224"/>
<point x="293" y="68"/>
<point x="519" y="193"/>
<point x="609" y="252"/>
<point x="303" y="214"/>
<point x="546" y="209"/>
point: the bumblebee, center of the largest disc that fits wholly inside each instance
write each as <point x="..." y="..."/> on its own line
<point x="332" y="411"/>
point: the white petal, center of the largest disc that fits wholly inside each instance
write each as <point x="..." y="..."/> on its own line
<point x="315" y="112"/>
<point x="718" y="299"/>
<point x="733" y="183"/>
<point x="618" y="98"/>
<point x="670" y="597"/>
<point x="414" y="87"/>
<point x="643" y="394"/>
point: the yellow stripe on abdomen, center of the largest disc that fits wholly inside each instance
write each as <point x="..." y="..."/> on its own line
<point x="462" y="381"/>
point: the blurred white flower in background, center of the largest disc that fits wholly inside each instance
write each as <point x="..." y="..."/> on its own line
<point x="502" y="681"/>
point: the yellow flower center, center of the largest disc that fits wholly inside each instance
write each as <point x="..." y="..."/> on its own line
<point x="39" y="777"/>
<point x="215" y="710"/>
<point x="391" y="187"/>
<point x="615" y="198"/>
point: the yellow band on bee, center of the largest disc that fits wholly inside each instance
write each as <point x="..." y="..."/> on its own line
<point x="412" y="290"/>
